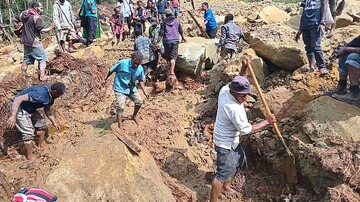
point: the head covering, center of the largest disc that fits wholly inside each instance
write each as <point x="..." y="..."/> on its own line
<point x="240" y="85"/>
<point x="168" y="12"/>
<point x="153" y="20"/>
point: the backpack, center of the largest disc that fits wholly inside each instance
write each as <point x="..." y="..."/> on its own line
<point x="33" y="195"/>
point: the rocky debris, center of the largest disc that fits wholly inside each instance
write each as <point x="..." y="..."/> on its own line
<point x="89" y="176"/>
<point x="197" y="54"/>
<point x="272" y="14"/>
<point x="276" y="44"/>
<point x="343" y="20"/>
<point x="7" y="49"/>
<point x="258" y="65"/>
<point x="343" y="192"/>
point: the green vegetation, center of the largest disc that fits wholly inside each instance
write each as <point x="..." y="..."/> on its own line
<point x="280" y="1"/>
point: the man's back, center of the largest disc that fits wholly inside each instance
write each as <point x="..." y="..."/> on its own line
<point x="232" y="34"/>
<point x="62" y="15"/>
<point x="142" y="44"/>
<point x="170" y="29"/>
<point x="39" y="96"/>
<point x="32" y="26"/>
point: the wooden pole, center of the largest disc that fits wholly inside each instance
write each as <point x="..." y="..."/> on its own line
<point x="199" y="26"/>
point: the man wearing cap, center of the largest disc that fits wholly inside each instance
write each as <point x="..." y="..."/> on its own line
<point x="25" y="115"/>
<point x="231" y="122"/>
<point x="170" y="32"/>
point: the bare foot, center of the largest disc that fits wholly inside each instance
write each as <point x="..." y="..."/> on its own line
<point x="31" y="159"/>
<point x="331" y="33"/>
<point x="43" y="78"/>
<point x="135" y="120"/>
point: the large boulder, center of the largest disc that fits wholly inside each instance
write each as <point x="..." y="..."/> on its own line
<point x="276" y="43"/>
<point x="98" y="173"/>
<point x="294" y="22"/>
<point x="87" y="52"/>
<point x="196" y="54"/>
<point x="258" y="65"/>
<point x="273" y="14"/>
<point x="327" y="117"/>
<point x="343" y="20"/>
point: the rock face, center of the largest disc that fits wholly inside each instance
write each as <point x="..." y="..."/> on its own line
<point x="294" y="22"/>
<point x="196" y="54"/>
<point x="343" y="20"/>
<point x="273" y="14"/>
<point x="100" y="173"/>
<point x="275" y="43"/>
<point x="343" y="120"/>
<point x="258" y="65"/>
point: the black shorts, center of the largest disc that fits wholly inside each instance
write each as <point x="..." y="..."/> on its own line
<point x="212" y="33"/>
<point x="171" y="49"/>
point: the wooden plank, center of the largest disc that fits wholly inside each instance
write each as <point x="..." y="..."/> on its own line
<point x="192" y="4"/>
<point x="131" y="144"/>
<point x="199" y="26"/>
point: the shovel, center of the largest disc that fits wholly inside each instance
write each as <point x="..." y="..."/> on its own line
<point x="290" y="168"/>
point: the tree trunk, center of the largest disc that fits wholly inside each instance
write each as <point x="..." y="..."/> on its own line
<point x="1" y="17"/>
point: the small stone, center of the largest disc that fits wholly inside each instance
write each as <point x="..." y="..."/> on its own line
<point x="321" y="144"/>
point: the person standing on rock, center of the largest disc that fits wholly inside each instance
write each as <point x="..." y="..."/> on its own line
<point x="170" y="32"/>
<point x="230" y="37"/>
<point x="349" y="65"/>
<point x="28" y="120"/>
<point x="144" y="46"/>
<point x="31" y="38"/>
<point x="231" y="122"/>
<point x="336" y="10"/>
<point x="65" y="22"/>
<point x="209" y="21"/>
<point x="312" y="27"/>
<point x="128" y="72"/>
<point x="90" y="22"/>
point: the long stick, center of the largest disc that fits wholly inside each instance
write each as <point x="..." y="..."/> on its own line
<point x="267" y="109"/>
<point x="198" y="24"/>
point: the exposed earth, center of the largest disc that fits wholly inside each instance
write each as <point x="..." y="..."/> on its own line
<point x="86" y="162"/>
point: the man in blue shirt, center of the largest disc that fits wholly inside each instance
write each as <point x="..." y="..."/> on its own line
<point x="89" y="11"/>
<point x="128" y="71"/>
<point x="27" y="119"/>
<point x="312" y="27"/>
<point x="209" y="21"/>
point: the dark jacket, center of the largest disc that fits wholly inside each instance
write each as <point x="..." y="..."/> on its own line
<point x="32" y="26"/>
<point x="170" y="29"/>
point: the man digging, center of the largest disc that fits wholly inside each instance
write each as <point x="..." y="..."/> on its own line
<point x="231" y="122"/>
<point x="26" y="117"/>
<point x="128" y="72"/>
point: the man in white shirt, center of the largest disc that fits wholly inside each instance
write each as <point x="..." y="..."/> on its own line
<point x="231" y="122"/>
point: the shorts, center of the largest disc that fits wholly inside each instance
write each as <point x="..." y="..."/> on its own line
<point x="228" y="161"/>
<point x="171" y="49"/>
<point x="226" y="53"/>
<point x="27" y="123"/>
<point x="67" y="34"/>
<point x="120" y="99"/>
<point x="211" y="33"/>
<point x="34" y="53"/>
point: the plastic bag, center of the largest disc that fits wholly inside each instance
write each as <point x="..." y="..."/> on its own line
<point x="329" y="20"/>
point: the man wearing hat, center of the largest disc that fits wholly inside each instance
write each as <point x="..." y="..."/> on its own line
<point x="25" y="115"/>
<point x="170" y="32"/>
<point x="231" y="122"/>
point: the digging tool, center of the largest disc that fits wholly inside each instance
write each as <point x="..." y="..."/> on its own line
<point x="290" y="168"/>
<point x="198" y="24"/>
<point x="126" y="140"/>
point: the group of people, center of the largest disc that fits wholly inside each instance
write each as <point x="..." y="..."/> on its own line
<point x="165" y="34"/>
